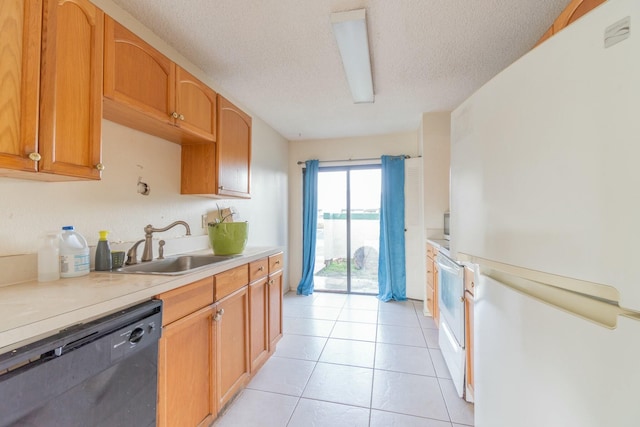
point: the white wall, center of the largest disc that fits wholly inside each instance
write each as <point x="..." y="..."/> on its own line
<point x="333" y="149"/>
<point x="28" y="208"/>
<point x="436" y="155"/>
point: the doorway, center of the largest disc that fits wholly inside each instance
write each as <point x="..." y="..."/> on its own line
<point x="348" y="233"/>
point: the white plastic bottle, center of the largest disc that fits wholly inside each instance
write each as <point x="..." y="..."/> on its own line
<point x="74" y="253"/>
<point x="48" y="258"/>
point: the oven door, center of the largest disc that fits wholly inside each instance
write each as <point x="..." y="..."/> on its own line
<point x="451" y="296"/>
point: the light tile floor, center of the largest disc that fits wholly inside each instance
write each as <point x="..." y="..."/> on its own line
<point x="349" y="360"/>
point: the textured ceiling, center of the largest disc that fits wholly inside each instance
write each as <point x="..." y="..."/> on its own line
<point x="279" y="57"/>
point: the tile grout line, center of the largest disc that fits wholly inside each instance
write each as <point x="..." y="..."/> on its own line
<point x="310" y="375"/>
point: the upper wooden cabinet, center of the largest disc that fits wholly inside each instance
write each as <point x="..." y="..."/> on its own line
<point x="223" y="170"/>
<point x="195" y="105"/>
<point x="234" y="150"/>
<point x="50" y="115"/>
<point x="20" y="31"/>
<point x="574" y="10"/>
<point x="145" y="90"/>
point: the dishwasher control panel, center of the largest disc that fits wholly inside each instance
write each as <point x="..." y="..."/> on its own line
<point x="135" y="337"/>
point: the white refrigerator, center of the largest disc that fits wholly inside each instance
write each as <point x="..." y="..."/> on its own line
<point x="545" y="199"/>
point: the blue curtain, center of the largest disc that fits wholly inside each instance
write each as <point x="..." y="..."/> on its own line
<point x="392" y="277"/>
<point x="309" y="225"/>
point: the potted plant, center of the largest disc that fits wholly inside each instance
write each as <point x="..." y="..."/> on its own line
<point x="227" y="237"/>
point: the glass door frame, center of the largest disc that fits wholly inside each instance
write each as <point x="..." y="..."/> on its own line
<point x="347" y="169"/>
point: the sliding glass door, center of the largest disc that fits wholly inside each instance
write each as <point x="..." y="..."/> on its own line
<point x="348" y="229"/>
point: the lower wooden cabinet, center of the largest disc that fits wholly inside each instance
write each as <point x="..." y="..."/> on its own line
<point x="186" y="374"/>
<point x="432" y="283"/>
<point x="275" y="309"/>
<point x="216" y="333"/>
<point x="259" y="322"/>
<point x="469" y="285"/>
<point x="232" y="344"/>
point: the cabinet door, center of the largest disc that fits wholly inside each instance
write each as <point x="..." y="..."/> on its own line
<point x="436" y="296"/>
<point x="186" y="371"/>
<point x="232" y="344"/>
<point x="198" y="173"/>
<point x="195" y="105"/>
<point x="259" y="322"/>
<point x="468" y="309"/>
<point x="430" y="291"/>
<point x="136" y="76"/>
<point x="275" y="309"/>
<point x="71" y="91"/>
<point x="20" y="31"/>
<point x="233" y="150"/>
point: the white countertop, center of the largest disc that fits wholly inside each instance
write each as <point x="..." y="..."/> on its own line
<point x="33" y="310"/>
<point x="442" y="244"/>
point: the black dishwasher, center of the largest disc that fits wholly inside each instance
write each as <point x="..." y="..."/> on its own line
<point x="102" y="373"/>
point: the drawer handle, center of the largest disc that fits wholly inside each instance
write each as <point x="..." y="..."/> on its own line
<point x="277" y="262"/>
<point x="261" y="269"/>
<point x="218" y="315"/>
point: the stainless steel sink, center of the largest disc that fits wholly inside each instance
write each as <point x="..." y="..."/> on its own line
<point x="173" y="266"/>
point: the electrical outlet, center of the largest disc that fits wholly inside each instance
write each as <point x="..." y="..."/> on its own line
<point x="204" y="220"/>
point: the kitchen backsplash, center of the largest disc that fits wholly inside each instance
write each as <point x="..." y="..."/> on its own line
<point x="30" y="208"/>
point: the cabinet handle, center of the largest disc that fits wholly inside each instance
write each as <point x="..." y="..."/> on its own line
<point x="36" y="157"/>
<point x="181" y="117"/>
<point x="261" y="269"/>
<point x="174" y="115"/>
<point x="221" y="187"/>
<point x="271" y="282"/>
<point x="100" y="167"/>
<point x="218" y="315"/>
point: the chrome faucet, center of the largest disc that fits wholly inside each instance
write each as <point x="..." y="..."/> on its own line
<point x="132" y="254"/>
<point x="147" y="253"/>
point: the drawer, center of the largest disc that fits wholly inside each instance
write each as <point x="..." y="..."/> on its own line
<point x="185" y="300"/>
<point x="258" y="269"/>
<point x="230" y="281"/>
<point x="276" y="262"/>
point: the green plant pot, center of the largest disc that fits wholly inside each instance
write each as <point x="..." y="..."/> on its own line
<point x="228" y="238"/>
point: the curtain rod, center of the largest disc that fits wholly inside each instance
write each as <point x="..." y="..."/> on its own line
<point x="300" y="162"/>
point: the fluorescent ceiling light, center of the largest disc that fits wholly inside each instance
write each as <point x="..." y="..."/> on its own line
<point x="350" y="29"/>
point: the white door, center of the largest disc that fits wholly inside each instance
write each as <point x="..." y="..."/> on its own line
<point x="415" y="249"/>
